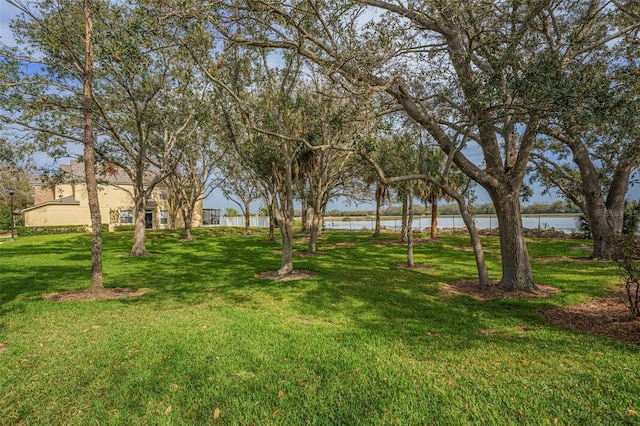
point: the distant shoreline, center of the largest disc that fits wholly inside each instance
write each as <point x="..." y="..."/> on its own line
<point x="442" y="216"/>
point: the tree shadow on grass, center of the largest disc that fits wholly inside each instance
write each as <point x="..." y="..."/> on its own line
<point x="42" y="264"/>
<point x="357" y="282"/>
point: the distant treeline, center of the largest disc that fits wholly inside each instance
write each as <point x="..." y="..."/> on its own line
<point x="557" y="207"/>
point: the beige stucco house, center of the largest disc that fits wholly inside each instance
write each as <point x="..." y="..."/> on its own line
<point x="66" y="203"/>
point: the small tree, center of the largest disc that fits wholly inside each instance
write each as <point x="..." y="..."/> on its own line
<point x="231" y="212"/>
<point x="240" y="186"/>
<point x="626" y="255"/>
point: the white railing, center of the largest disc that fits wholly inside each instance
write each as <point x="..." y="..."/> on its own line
<point x="256" y="221"/>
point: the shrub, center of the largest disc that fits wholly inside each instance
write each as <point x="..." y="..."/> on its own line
<point x="631" y="217"/>
<point x="626" y="255"/>
<point x="583" y="227"/>
<point x="26" y="231"/>
<point x="630" y="223"/>
<point x="5" y="219"/>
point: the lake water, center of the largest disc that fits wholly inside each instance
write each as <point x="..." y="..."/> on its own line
<point x="566" y="224"/>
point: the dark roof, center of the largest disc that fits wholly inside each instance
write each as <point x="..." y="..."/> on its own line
<point x="70" y="201"/>
<point x="107" y="173"/>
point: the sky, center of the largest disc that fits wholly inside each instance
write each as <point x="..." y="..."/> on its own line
<point x="217" y="199"/>
<point x="7" y="12"/>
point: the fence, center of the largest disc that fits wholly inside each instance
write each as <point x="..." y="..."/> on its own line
<point x="540" y="222"/>
<point x="256" y="221"/>
<point x="560" y="223"/>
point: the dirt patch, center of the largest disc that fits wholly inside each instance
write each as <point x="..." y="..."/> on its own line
<point x="299" y="253"/>
<point x="564" y="259"/>
<point x="417" y="267"/>
<point x="346" y="244"/>
<point x="469" y="249"/>
<point x="298" y="274"/>
<point x="416" y="241"/>
<point x="147" y="254"/>
<point x="582" y="247"/>
<point x="386" y="243"/>
<point x="309" y="254"/>
<point x="105" y="294"/>
<point x="606" y="316"/>
<point x="473" y="289"/>
<point x="426" y="240"/>
<point x="341" y="244"/>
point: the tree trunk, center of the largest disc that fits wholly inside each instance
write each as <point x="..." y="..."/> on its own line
<point x="516" y="267"/>
<point x="320" y="218"/>
<point x="286" y="213"/>
<point x="315" y="231"/>
<point x="434" y="218"/>
<point x="478" y="252"/>
<point x="605" y="225"/>
<point x="605" y="218"/>
<point x="247" y="219"/>
<point x="311" y="216"/>
<point x="272" y="220"/>
<point x="403" y="226"/>
<point x="286" y="230"/>
<point x="97" y="283"/>
<point x="187" y="215"/>
<point x="139" y="248"/>
<point x="376" y="232"/>
<point x="272" y="229"/>
<point x="304" y="215"/>
<point x="173" y="215"/>
<point x="313" y="236"/>
<point x="316" y="216"/>
<point x="410" y="262"/>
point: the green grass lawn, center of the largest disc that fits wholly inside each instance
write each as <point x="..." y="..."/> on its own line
<point x="361" y="343"/>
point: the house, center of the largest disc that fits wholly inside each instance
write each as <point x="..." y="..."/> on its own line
<point x="66" y="202"/>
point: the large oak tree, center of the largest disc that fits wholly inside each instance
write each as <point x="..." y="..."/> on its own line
<point x="487" y="67"/>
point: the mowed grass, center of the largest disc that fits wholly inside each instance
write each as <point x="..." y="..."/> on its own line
<point x="362" y="343"/>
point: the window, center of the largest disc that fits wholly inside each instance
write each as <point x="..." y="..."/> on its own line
<point x="164" y="217"/>
<point x="162" y="195"/>
<point x="211" y="216"/>
<point x="126" y="216"/>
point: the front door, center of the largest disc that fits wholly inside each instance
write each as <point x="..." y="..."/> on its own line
<point x="148" y="220"/>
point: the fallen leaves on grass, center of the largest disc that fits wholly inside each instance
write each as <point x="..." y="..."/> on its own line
<point x="3" y="347"/>
<point x="605" y="316"/>
<point x="472" y="288"/>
